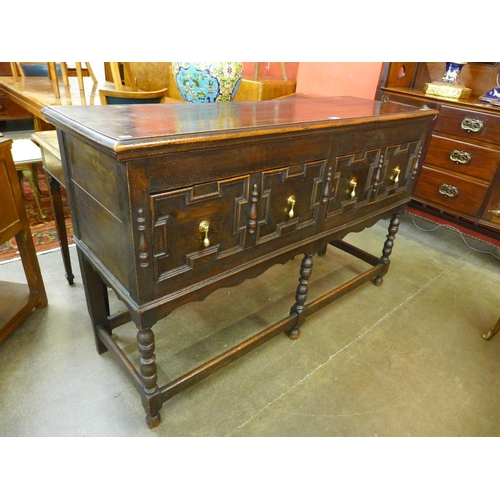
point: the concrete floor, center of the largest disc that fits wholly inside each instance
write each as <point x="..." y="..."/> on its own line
<point x="403" y="359"/>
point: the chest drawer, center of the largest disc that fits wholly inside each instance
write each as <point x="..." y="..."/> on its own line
<point x="450" y="192"/>
<point x="463" y="158"/>
<point x="468" y="124"/>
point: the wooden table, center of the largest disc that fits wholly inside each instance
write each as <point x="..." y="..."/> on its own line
<point x="34" y="93"/>
<point x="51" y="155"/>
<point x="170" y="203"/>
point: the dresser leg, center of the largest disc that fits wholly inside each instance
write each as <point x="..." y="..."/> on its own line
<point x="301" y="294"/>
<point x="96" y="293"/>
<point x="151" y="396"/>
<point x="387" y="250"/>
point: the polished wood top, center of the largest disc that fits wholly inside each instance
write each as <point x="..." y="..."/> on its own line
<point x="121" y="128"/>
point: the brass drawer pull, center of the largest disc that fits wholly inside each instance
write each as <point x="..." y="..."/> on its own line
<point x="460" y="157"/>
<point x="353" y="185"/>
<point x="291" y="201"/>
<point x="395" y="175"/>
<point x="472" y="125"/>
<point x="448" y="190"/>
<point x="496" y="213"/>
<point x="204" y="227"/>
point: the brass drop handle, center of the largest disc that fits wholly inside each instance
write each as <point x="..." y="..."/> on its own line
<point x="204" y="227"/>
<point x="395" y="176"/>
<point x="460" y="157"/>
<point x="353" y="185"/>
<point x="291" y="201"/>
<point x="496" y="213"/>
<point x="448" y="190"/>
<point x="472" y="125"/>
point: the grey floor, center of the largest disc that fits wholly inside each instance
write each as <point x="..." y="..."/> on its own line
<point x="403" y="359"/>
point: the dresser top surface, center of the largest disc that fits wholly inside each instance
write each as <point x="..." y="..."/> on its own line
<point x="122" y="127"/>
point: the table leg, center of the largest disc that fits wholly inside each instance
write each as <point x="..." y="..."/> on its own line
<point x="388" y="247"/>
<point x="301" y="294"/>
<point x="58" y="210"/>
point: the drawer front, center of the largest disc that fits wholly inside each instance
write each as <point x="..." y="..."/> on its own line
<point x="360" y="179"/>
<point x="463" y="158"/>
<point x="450" y="192"/>
<point x="469" y="124"/>
<point x="210" y="228"/>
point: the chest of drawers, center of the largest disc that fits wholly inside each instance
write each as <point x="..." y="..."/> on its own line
<point x="460" y="179"/>
<point x="170" y="203"/>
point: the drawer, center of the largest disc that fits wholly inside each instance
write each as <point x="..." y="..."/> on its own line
<point x="469" y="124"/>
<point x="450" y="192"/>
<point x="357" y="180"/>
<point x="210" y="228"/>
<point x="463" y="158"/>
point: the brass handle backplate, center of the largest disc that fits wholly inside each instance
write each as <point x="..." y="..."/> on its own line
<point x="460" y="157"/>
<point x="448" y="190"/>
<point x="472" y="125"/>
<point x="291" y="201"/>
<point x="204" y="227"/>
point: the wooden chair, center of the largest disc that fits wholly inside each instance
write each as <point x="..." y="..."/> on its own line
<point x="128" y="75"/>
<point x="53" y="71"/>
<point x="127" y="97"/>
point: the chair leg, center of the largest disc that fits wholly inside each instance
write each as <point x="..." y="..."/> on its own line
<point x="79" y="74"/>
<point x="91" y="73"/>
<point x="492" y="331"/>
<point x="53" y="78"/>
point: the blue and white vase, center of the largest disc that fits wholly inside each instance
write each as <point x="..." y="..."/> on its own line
<point x="207" y="81"/>
<point x="452" y="74"/>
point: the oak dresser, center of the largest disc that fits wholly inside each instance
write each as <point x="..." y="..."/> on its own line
<point x="170" y="203"/>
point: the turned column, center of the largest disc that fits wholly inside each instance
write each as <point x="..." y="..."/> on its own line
<point x="301" y="294"/>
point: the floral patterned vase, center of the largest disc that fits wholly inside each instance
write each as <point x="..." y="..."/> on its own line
<point x="207" y="81"/>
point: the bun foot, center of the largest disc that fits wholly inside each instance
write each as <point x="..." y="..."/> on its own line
<point x="294" y="333"/>
<point x="153" y="421"/>
<point x="378" y="281"/>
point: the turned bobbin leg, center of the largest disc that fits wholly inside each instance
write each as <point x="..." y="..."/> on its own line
<point x="151" y="397"/>
<point x="387" y="250"/>
<point x="301" y="294"/>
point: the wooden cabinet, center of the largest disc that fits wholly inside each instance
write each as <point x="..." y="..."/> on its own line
<point x="170" y="203"/>
<point x="17" y="300"/>
<point x="460" y="178"/>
